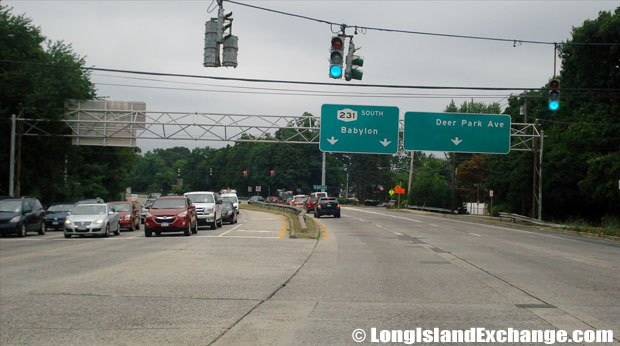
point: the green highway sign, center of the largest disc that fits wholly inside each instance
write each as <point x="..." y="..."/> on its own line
<point x="319" y="187"/>
<point x="359" y="129"/>
<point x="457" y="132"/>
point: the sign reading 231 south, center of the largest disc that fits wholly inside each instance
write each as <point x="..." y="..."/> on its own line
<point x="359" y="129"/>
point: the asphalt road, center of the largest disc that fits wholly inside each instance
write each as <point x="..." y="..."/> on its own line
<point x="245" y="284"/>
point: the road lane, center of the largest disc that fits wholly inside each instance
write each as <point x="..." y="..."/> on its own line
<point x="134" y="290"/>
<point x="393" y="270"/>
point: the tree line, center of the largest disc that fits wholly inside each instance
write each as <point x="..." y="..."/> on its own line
<point x="581" y="163"/>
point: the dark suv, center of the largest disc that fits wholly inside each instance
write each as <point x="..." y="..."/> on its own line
<point x="327" y="206"/>
<point x="21" y="215"/>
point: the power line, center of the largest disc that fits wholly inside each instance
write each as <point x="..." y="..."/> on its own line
<point x="361" y="27"/>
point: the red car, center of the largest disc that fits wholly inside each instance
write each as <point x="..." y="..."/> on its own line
<point x="310" y="203"/>
<point x="171" y="214"/>
<point x="128" y="214"/>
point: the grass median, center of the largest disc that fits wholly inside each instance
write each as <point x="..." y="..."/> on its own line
<point x="292" y="222"/>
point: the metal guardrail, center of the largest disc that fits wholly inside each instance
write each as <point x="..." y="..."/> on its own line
<point x="438" y="210"/>
<point x="521" y="218"/>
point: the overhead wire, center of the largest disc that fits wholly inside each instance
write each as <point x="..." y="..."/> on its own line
<point x="412" y="32"/>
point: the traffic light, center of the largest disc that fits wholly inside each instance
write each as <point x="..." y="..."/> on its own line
<point x="245" y="173"/>
<point x="336" y="57"/>
<point x="272" y="172"/>
<point x="212" y="46"/>
<point x="229" y="52"/>
<point x="554" y="94"/>
<point x="352" y="72"/>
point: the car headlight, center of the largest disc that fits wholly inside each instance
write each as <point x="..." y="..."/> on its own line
<point x="148" y="214"/>
<point x="67" y="222"/>
<point x="210" y="210"/>
<point x="98" y="222"/>
<point x="127" y="217"/>
<point x="183" y="214"/>
<point x="16" y="218"/>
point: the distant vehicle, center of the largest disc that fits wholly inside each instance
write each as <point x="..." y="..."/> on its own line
<point x="92" y="219"/>
<point x="90" y="201"/>
<point x="232" y="198"/>
<point x="171" y="214"/>
<point x="228" y="212"/>
<point x="154" y="195"/>
<point x="299" y="200"/>
<point x="56" y="215"/>
<point x="310" y="203"/>
<point x="208" y="207"/>
<point x="319" y="194"/>
<point x="21" y="215"/>
<point x="327" y="206"/>
<point x="128" y="213"/>
<point x="391" y="204"/>
<point x="147" y="203"/>
<point x="271" y="199"/>
<point x="255" y="199"/>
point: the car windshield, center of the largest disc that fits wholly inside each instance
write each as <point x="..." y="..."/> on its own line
<point x="229" y="199"/>
<point x="226" y="205"/>
<point x="122" y="206"/>
<point x="300" y="198"/>
<point x="89" y="210"/>
<point x="59" y="208"/>
<point x="201" y="198"/>
<point x="172" y="203"/>
<point x="11" y="205"/>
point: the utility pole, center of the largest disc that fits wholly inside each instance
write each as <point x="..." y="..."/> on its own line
<point x="410" y="172"/>
<point x="12" y="158"/>
<point x="542" y="140"/>
<point x="535" y="175"/>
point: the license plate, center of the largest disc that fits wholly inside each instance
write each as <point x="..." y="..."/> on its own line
<point x="81" y="228"/>
<point x="165" y="224"/>
<point x="329" y="205"/>
<point x="55" y="223"/>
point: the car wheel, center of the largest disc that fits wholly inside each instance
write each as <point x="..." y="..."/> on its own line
<point x="22" y="231"/>
<point x="234" y="219"/>
<point x="188" y="231"/>
<point x="214" y="224"/>
<point x="148" y="233"/>
<point x="219" y="224"/>
<point x="107" y="231"/>
<point x="338" y="215"/>
<point x="67" y="235"/>
<point x="118" y="229"/>
<point x="43" y="228"/>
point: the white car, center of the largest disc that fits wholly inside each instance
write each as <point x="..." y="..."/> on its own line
<point x="92" y="219"/>
<point x="208" y="207"/>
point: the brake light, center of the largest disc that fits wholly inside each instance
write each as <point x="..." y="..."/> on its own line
<point x="319" y="206"/>
<point x="338" y="206"/>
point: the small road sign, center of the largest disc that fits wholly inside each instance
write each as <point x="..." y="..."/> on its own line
<point x="457" y="132"/>
<point x="359" y="129"/>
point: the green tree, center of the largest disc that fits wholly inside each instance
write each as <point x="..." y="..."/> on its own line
<point x="429" y="187"/>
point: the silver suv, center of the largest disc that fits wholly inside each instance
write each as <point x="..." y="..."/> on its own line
<point x="208" y="207"/>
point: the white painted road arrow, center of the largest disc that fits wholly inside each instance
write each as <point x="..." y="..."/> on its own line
<point x="385" y="142"/>
<point x="456" y="141"/>
<point x="332" y="140"/>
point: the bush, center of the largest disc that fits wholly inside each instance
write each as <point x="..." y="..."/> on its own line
<point x="343" y="200"/>
<point x="499" y="208"/>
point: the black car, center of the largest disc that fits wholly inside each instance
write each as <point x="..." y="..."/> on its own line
<point x="229" y="213"/>
<point x="21" y="215"/>
<point x="56" y="215"/>
<point x="327" y="206"/>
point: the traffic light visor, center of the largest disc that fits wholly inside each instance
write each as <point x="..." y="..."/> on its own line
<point x="335" y="71"/>
<point x="336" y="57"/>
<point x="337" y="43"/>
<point x="554" y="84"/>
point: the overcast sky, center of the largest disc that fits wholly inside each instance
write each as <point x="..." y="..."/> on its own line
<point x="168" y="36"/>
